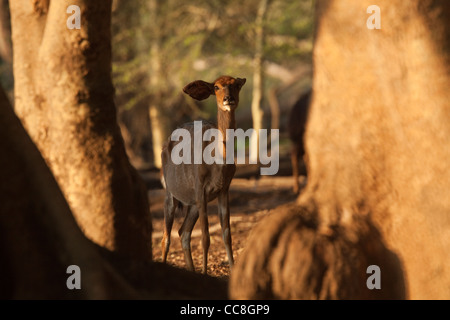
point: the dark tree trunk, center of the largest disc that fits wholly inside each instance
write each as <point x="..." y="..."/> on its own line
<point x="39" y="236"/>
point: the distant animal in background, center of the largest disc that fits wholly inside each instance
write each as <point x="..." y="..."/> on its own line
<point x="296" y="129"/>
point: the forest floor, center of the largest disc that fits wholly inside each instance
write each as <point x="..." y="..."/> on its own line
<point x="250" y="200"/>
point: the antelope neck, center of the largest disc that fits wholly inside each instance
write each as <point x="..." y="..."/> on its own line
<point x="225" y="120"/>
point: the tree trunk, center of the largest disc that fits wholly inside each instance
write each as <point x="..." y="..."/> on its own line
<point x="64" y="98"/>
<point x="5" y="32"/>
<point x="157" y="119"/>
<point x="274" y="109"/>
<point x="158" y="133"/>
<point x="394" y="139"/>
<point x="40" y="237"/>
<point x="377" y="146"/>
<point x="258" y="82"/>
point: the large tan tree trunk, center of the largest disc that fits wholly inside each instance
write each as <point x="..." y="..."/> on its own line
<point x="378" y="148"/>
<point x="383" y="97"/>
<point x="64" y="97"/>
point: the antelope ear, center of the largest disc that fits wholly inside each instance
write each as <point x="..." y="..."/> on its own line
<point x="199" y="90"/>
<point x="240" y="82"/>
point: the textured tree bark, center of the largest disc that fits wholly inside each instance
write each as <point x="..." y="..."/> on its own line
<point x="378" y="144"/>
<point x="39" y="236"/>
<point x="64" y="98"/>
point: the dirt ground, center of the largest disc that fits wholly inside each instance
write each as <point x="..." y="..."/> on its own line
<point x="250" y="200"/>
